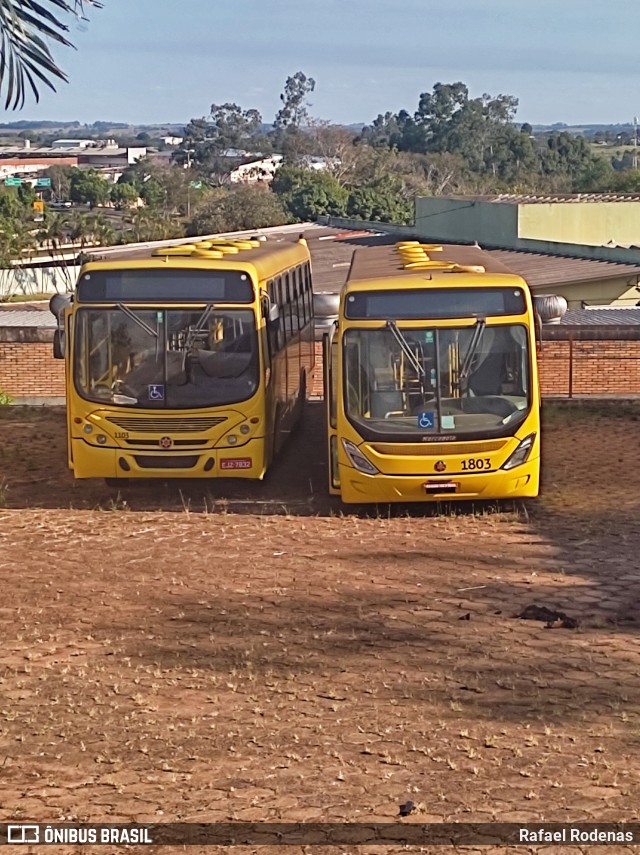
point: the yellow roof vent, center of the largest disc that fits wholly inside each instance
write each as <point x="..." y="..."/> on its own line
<point x="416" y="256"/>
<point x="215" y="248"/>
<point x="180" y="249"/>
<point x="467" y="268"/>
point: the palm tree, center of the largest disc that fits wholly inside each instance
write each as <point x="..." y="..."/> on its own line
<point x="25" y="58"/>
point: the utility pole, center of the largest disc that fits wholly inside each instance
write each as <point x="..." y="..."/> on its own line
<point x="635" y="142"/>
<point x="189" y="152"/>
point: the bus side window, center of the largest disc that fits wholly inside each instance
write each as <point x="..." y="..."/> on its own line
<point x="288" y="285"/>
<point x="297" y="317"/>
<point x="302" y="299"/>
<point x="308" y="291"/>
<point x="282" y="305"/>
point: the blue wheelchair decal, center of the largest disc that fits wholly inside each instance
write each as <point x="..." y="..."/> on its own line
<point x="426" y="420"/>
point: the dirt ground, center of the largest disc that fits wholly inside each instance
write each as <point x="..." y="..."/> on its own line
<point x="253" y="652"/>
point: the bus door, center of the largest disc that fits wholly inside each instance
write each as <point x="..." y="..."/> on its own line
<point x="330" y="368"/>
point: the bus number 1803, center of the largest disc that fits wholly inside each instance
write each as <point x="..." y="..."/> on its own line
<point x="475" y="463"/>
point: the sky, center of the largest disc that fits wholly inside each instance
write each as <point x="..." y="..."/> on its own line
<point x="156" y="61"/>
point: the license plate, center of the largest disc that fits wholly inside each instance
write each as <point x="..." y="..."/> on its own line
<point x="236" y="463"/>
<point x="440" y="487"/>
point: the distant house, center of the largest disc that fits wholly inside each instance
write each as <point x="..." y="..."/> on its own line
<point x="256" y="170"/>
<point x="313" y="162"/>
<point x="172" y="140"/>
<point x="64" y="143"/>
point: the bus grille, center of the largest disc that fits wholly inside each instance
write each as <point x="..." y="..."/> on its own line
<point x="166" y="425"/>
<point x="440" y="448"/>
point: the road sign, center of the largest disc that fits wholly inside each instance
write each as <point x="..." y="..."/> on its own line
<point x="12" y="182"/>
<point x="43" y="182"/>
<point x="38" y="206"/>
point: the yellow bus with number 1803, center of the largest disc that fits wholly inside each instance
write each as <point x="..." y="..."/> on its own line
<point x="431" y="381"/>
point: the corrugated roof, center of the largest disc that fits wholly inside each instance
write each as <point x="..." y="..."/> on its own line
<point x="542" y="270"/>
<point x="544" y="199"/>
<point x="602" y="317"/>
<point x="332" y="250"/>
<point x="26" y="316"/>
<point x="331" y="259"/>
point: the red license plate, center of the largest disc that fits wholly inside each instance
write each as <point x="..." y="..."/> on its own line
<point x="236" y="463"/>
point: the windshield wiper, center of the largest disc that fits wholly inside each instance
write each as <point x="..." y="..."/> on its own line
<point x="478" y="330"/>
<point x="392" y="326"/>
<point x="145" y="326"/>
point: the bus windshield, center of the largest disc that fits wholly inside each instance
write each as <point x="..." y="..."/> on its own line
<point x="428" y="380"/>
<point x="166" y="358"/>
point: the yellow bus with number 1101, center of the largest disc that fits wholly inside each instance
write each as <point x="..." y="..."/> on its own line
<point x="187" y="361"/>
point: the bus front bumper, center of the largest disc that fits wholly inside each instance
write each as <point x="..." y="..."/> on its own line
<point x="521" y="482"/>
<point x="246" y="461"/>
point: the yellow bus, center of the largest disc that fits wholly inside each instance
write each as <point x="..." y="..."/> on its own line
<point x="431" y="383"/>
<point x="187" y="361"/>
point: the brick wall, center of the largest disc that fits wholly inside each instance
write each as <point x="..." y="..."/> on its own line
<point x="27" y="367"/>
<point x="568" y="368"/>
<point x="578" y="368"/>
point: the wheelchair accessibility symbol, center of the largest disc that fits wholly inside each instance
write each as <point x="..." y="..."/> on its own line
<point x="426" y="420"/>
<point x="156" y="392"/>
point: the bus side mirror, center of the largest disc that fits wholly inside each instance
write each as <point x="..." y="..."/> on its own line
<point x="58" y="344"/>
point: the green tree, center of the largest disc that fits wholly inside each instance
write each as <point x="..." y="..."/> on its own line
<point x="101" y="230"/>
<point x="309" y="193"/>
<point x="147" y="224"/>
<point x="247" y="206"/>
<point x="293" y="112"/>
<point x="88" y="186"/>
<point x="25" y="28"/>
<point x="123" y="195"/>
<point x="232" y="126"/>
<point x="153" y="193"/>
<point x="11" y="206"/>
<point x="60" y="176"/>
<point x="383" y="202"/>
<point x="385" y="131"/>
<point x="79" y="228"/>
<point x="228" y="126"/>
<point x="568" y="161"/>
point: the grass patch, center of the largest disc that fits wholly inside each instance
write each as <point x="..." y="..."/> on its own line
<point x="559" y="414"/>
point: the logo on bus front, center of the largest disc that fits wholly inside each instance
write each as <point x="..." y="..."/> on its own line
<point x="440" y="466"/>
<point x="165" y="442"/>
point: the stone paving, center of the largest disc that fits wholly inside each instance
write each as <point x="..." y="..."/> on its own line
<point x="254" y="654"/>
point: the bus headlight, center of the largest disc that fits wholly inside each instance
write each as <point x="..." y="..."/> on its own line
<point x="88" y="428"/>
<point x="522" y="452"/>
<point x="232" y="439"/>
<point x="244" y="429"/>
<point x="101" y="439"/>
<point x="357" y="458"/>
